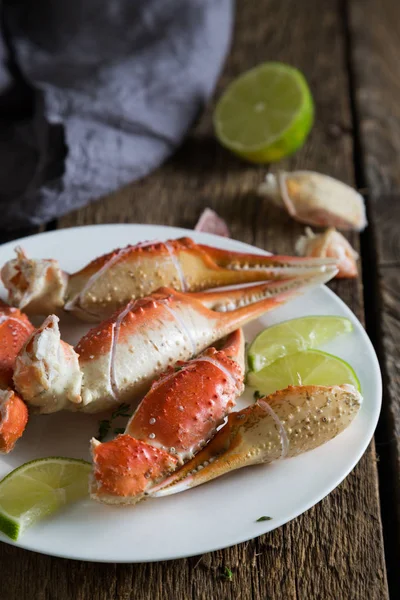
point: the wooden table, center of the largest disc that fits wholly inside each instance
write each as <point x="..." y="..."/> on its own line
<point x="350" y="54"/>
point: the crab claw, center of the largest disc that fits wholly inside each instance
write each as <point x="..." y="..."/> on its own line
<point x="13" y="419"/>
<point x="111" y="281"/>
<point x="283" y="425"/>
<point x="15" y="329"/>
<point x="175" y="419"/>
<point x="118" y="360"/>
<point x="125" y="468"/>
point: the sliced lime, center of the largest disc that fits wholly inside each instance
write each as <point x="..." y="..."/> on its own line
<point x="311" y="367"/>
<point x="294" y="336"/>
<point x="266" y="113"/>
<point x="39" y="488"/>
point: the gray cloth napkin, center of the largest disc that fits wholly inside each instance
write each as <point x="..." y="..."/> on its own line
<point x="96" y="93"/>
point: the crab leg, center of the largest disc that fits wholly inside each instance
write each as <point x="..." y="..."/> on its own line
<point x="175" y="419"/>
<point x="112" y="280"/>
<point x="15" y="329"/>
<point x="120" y="358"/>
<point x="285" y="424"/>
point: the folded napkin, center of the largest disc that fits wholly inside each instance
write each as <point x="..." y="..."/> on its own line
<point x="96" y="93"/>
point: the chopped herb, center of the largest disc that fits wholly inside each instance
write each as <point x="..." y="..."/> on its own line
<point x="121" y="411"/>
<point x="104" y="428"/>
<point x="105" y="425"/>
<point x="178" y="368"/>
<point x="227" y="574"/>
<point x="119" y="430"/>
<point x="257" y="395"/>
<point x="263" y="519"/>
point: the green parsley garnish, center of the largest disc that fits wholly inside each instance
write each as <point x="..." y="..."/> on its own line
<point x="257" y="395"/>
<point x="104" y="428"/>
<point x="105" y="425"/>
<point x="227" y="574"/>
<point x="263" y="519"/>
<point x="121" y="411"/>
<point x="119" y="430"/>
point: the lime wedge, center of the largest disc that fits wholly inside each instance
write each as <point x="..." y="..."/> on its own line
<point x="265" y="114"/>
<point x="311" y="367"/>
<point x="39" y="488"/>
<point x="294" y="336"/>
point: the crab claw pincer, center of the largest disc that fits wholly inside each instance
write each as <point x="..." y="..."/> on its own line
<point x="175" y="419"/>
<point x="111" y="281"/>
<point x="285" y="424"/>
<point x="119" y="359"/>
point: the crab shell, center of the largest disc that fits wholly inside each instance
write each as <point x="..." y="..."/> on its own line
<point x="316" y="199"/>
<point x="175" y="419"/>
<point x="111" y="281"/>
<point x="282" y="425"/>
<point x="118" y="360"/>
<point x="15" y="329"/>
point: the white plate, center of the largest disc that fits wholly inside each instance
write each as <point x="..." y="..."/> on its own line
<point x="213" y="516"/>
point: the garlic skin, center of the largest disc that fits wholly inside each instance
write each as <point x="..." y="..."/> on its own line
<point x="210" y="222"/>
<point x="331" y="244"/>
<point x="316" y="199"/>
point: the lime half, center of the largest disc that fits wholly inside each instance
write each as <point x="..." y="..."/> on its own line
<point x="39" y="488"/>
<point x="265" y="114"/>
<point x="294" y="336"/>
<point x="311" y="367"/>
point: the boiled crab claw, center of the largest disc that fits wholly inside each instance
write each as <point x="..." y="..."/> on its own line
<point x="175" y="419"/>
<point x="285" y="424"/>
<point x="118" y="360"/>
<point x="15" y="329"/>
<point x="112" y="280"/>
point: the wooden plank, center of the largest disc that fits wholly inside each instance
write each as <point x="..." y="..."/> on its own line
<point x="335" y="550"/>
<point x="390" y="290"/>
<point x="374" y="52"/>
<point x="375" y="43"/>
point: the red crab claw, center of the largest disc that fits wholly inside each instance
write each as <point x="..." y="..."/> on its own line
<point x="111" y="281"/>
<point x="175" y="419"/>
<point x="118" y="360"/>
<point x="285" y="424"/>
<point x="15" y="329"/>
<point x="13" y="419"/>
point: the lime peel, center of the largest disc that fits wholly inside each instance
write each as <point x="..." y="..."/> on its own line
<point x="266" y="113"/>
<point x="295" y="335"/>
<point x="37" y="489"/>
<point x="312" y="366"/>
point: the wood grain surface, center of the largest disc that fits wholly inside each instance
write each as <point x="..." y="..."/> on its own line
<point x="374" y="62"/>
<point x="335" y="550"/>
